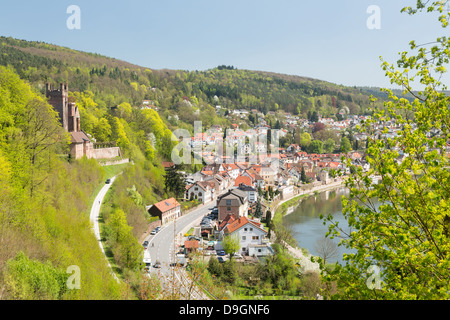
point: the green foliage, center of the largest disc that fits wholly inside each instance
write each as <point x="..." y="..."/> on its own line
<point x="345" y="145"/>
<point x="32" y="280"/>
<point x="329" y="146"/>
<point x="174" y="182"/>
<point x="305" y="140"/>
<point x="407" y="236"/>
<point x="214" y="267"/>
<point x="278" y="269"/>
<point x="231" y="244"/>
<point x="180" y="93"/>
<point x="126" y="249"/>
<point x="258" y="209"/>
<point x="44" y="201"/>
<point x="316" y="146"/>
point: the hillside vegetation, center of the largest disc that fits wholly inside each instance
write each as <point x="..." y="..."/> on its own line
<point x="44" y="204"/>
<point x="45" y="198"/>
<point x="111" y="82"/>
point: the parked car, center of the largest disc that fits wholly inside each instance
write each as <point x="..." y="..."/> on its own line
<point x="108" y="181"/>
<point x="220" y="252"/>
<point x="153" y="232"/>
<point x="221" y="260"/>
<point x="145" y="244"/>
<point x="157" y="264"/>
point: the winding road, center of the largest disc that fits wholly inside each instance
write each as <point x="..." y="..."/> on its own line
<point x="95" y="212"/>
<point x="166" y="243"/>
<point x="162" y="246"/>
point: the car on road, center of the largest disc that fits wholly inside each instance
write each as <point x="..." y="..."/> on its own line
<point x="153" y="232"/>
<point x="145" y="244"/>
<point x="220" y="252"/>
<point x="108" y="181"/>
<point x="157" y="264"/>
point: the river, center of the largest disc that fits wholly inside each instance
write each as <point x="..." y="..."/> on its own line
<point x="307" y="227"/>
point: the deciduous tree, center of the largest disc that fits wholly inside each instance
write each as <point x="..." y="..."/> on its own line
<point x="407" y="236"/>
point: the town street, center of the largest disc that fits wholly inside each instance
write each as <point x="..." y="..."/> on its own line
<point x="162" y="247"/>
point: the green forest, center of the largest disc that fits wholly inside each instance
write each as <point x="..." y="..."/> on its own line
<point x="191" y="95"/>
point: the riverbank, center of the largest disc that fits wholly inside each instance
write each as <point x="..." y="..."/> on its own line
<point x="298" y="253"/>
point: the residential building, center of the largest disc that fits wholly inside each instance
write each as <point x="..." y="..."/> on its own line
<point x="203" y="191"/>
<point x="252" y="192"/>
<point x="167" y="210"/>
<point x="234" y="202"/>
<point x="251" y="235"/>
<point x="268" y="174"/>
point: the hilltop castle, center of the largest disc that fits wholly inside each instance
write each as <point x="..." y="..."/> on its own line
<point x="69" y="116"/>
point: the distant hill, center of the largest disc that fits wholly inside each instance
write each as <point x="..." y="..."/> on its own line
<point x="181" y="96"/>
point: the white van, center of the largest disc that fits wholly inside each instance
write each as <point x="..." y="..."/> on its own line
<point x="147" y="260"/>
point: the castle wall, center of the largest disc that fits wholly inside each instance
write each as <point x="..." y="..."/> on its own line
<point x="76" y="150"/>
<point x="106" y="153"/>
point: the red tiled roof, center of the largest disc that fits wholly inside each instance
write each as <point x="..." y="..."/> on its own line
<point x="166" y="164"/>
<point x="167" y="204"/>
<point x="79" y="137"/>
<point x="242" y="221"/>
<point x="191" y="244"/>
<point x="243" y="179"/>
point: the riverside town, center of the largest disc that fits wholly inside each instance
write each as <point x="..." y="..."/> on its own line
<point x="272" y="154"/>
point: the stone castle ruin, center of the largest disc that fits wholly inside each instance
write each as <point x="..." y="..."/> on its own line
<point x="69" y="116"/>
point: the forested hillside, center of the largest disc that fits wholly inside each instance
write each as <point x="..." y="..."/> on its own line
<point x="44" y="204"/>
<point x="110" y="82"/>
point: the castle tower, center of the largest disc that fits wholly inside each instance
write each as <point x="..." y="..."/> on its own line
<point x="59" y="99"/>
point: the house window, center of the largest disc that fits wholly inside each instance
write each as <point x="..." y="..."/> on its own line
<point x="255" y="237"/>
<point x="228" y="202"/>
<point x="245" y="229"/>
<point x="228" y="208"/>
<point x="244" y="238"/>
<point x="251" y="229"/>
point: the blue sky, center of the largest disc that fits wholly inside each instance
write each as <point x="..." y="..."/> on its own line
<point x="327" y="40"/>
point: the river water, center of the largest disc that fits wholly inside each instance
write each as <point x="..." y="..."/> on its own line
<point x="307" y="227"/>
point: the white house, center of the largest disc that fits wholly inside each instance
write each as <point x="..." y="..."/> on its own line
<point x="250" y="233"/>
<point x="204" y="191"/>
<point x="252" y="193"/>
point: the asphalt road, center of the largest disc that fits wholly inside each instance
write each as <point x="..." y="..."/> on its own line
<point x="95" y="211"/>
<point x="166" y="243"/>
<point x="162" y="246"/>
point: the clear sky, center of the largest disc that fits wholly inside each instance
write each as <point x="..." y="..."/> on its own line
<point x="327" y="39"/>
